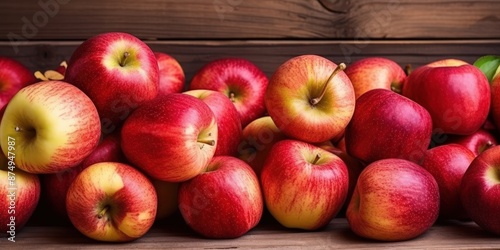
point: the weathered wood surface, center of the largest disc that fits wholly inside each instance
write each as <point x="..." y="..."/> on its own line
<point x="250" y="19"/>
<point x="337" y="235"/>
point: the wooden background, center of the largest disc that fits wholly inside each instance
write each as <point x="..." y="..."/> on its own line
<point x="42" y="33"/>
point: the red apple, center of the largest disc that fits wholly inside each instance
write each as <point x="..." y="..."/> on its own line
<point x="117" y="71"/>
<point x="456" y="94"/>
<point x="13" y="77"/>
<point x="448" y="163"/>
<point x="171" y="74"/>
<point x="310" y="98"/>
<point x="375" y="72"/>
<point x="171" y="138"/>
<point x="108" y="150"/>
<point x="495" y="100"/>
<point x="225" y="201"/>
<point x="240" y="80"/>
<point x="112" y="201"/>
<point x="388" y="125"/>
<point x="258" y="138"/>
<point x="54" y="126"/>
<point x="304" y="186"/>
<point x="20" y="192"/>
<point x="476" y="142"/>
<point x="394" y="200"/>
<point x="480" y="190"/>
<point x="227" y="118"/>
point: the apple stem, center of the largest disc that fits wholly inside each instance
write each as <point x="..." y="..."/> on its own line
<point x="316" y="159"/>
<point x="123" y="62"/>
<point x="207" y="141"/>
<point x="103" y="211"/>
<point x="316" y="100"/>
<point x="231" y="96"/>
<point x="408" y="69"/>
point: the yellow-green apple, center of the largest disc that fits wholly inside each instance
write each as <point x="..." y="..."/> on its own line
<point x="388" y="125"/>
<point x="310" y="98"/>
<point x="225" y="201"/>
<point x="375" y="72"/>
<point x="480" y="190"/>
<point x="476" y="142"/>
<point x="111" y="201"/>
<point x="108" y="150"/>
<point x="243" y="82"/>
<point x="54" y="124"/>
<point x="171" y="74"/>
<point x="304" y="185"/>
<point x="394" y="200"/>
<point x="167" y="193"/>
<point x="227" y="118"/>
<point x="258" y="138"/>
<point x="20" y="193"/>
<point x="456" y="94"/>
<point x="117" y="71"/>
<point x="448" y="163"/>
<point x="171" y="138"/>
<point x="13" y="76"/>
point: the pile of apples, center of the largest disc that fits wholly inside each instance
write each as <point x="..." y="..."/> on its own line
<point x="116" y="141"/>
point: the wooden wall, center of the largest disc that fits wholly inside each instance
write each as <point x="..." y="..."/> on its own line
<point x="41" y="33"/>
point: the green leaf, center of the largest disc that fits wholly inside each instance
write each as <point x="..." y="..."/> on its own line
<point x="489" y="65"/>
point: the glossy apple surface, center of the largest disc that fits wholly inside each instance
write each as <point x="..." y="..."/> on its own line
<point x="13" y="77"/>
<point x="171" y="74"/>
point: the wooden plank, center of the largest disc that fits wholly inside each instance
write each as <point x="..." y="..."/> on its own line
<point x="269" y="54"/>
<point x="337" y="235"/>
<point x="250" y="19"/>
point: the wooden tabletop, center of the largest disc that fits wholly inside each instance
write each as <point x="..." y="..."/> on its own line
<point x="268" y="235"/>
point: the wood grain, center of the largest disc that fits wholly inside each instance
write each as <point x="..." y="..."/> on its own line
<point x="250" y="19"/>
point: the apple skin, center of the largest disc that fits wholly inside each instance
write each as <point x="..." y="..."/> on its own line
<point x="240" y="80"/>
<point x="55" y="126"/>
<point x="225" y="201"/>
<point x="291" y="91"/>
<point x="167" y="193"/>
<point x="171" y="74"/>
<point x="456" y="94"/>
<point x="227" y="118"/>
<point x="375" y="72"/>
<point x="301" y="191"/>
<point x="112" y="201"/>
<point x="171" y="138"/>
<point x="13" y="77"/>
<point x="477" y="142"/>
<point x="108" y="150"/>
<point x="394" y="200"/>
<point x="388" y="125"/>
<point x="495" y="101"/>
<point x="95" y="68"/>
<point x="26" y="194"/>
<point x="480" y="190"/>
<point x="447" y="164"/>
<point x="258" y="138"/>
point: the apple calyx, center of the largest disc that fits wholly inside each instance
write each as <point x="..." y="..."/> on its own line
<point x="316" y="100"/>
<point x="124" y="59"/>
<point x="101" y="214"/>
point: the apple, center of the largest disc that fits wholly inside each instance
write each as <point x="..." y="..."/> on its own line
<point x="167" y="193"/>
<point x="112" y="201"/>
<point x="20" y="192"/>
<point x="495" y="100"/>
<point x="447" y="164"/>
<point x="304" y="185"/>
<point x="227" y="118"/>
<point x="394" y="200"/>
<point x="53" y="125"/>
<point x="171" y="138"/>
<point x="388" y="125"/>
<point x="310" y="98"/>
<point x="171" y="74"/>
<point x="13" y="77"/>
<point x="117" y="71"/>
<point x="477" y="142"/>
<point x="257" y="140"/>
<point x="240" y="80"/>
<point x="225" y="201"/>
<point x="480" y="190"/>
<point x="108" y="150"/>
<point x="456" y="94"/>
<point x="375" y="72"/>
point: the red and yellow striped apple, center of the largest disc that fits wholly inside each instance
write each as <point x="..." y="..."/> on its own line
<point x="13" y="76"/>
